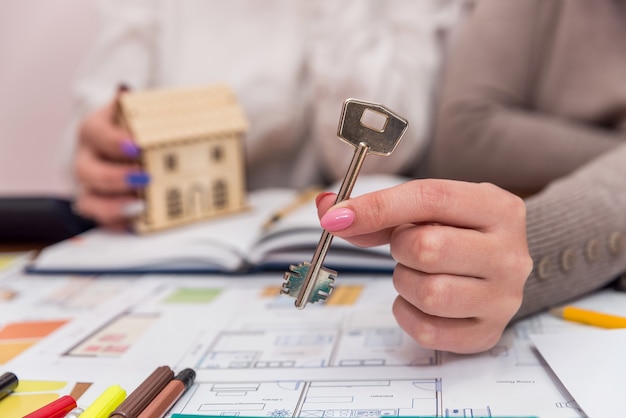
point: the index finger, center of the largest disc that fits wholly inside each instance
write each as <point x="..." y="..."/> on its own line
<point x="460" y="204"/>
<point x="100" y="132"/>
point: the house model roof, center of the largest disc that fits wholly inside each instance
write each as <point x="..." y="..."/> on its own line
<point x="159" y="117"/>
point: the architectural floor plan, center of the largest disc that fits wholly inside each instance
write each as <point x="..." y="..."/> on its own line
<point x="257" y="356"/>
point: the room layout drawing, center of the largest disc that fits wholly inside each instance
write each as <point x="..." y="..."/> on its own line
<point x="289" y="348"/>
<point x="353" y="398"/>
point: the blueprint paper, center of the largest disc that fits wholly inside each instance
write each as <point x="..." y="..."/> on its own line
<point x="256" y="355"/>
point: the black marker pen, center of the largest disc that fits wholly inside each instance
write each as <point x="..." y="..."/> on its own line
<point x="8" y="383"/>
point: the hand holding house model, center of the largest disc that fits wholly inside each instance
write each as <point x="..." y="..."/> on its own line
<point x="191" y="142"/>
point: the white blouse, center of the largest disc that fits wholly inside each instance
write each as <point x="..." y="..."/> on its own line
<point x="292" y="63"/>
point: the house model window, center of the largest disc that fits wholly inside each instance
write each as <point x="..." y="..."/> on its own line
<point x="191" y="142"/>
<point x="170" y="162"/>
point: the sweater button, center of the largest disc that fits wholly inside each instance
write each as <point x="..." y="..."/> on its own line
<point x="568" y="258"/>
<point x="543" y="268"/>
<point x="616" y="243"/>
<point x="592" y="250"/>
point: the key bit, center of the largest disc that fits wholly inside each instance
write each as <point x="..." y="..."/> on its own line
<point x="371" y="129"/>
<point x="295" y="280"/>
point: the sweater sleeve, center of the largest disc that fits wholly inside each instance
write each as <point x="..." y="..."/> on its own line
<point x="576" y="233"/>
<point x="489" y="124"/>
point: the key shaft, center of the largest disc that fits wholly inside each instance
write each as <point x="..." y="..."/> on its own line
<point x="326" y="239"/>
<point x="371" y="129"/>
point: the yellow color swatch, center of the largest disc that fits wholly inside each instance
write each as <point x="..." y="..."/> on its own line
<point x="30" y="386"/>
<point x="344" y="295"/>
<point x="6" y="261"/>
<point x="29" y="396"/>
<point x="270" y="291"/>
<point x="14" y="406"/>
<point x="10" y="350"/>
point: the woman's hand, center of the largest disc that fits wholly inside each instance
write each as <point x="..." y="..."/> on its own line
<point x="107" y="170"/>
<point x="461" y="250"/>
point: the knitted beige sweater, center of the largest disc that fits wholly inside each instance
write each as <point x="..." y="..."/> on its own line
<point x="534" y="99"/>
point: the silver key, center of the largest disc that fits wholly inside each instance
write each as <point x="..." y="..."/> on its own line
<point x="371" y="129"/>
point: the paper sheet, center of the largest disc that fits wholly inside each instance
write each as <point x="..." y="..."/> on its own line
<point x="589" y="362"/>
<point x="256" y="355"/>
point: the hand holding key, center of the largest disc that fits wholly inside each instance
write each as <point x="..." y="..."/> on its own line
<point x="371" y="129"/>
<point x="461" y="250"/>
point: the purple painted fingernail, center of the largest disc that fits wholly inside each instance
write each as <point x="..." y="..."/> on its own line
<point x="137" y="179"/>
<point x="337" y="219"/>
<point x="130" y="149"/>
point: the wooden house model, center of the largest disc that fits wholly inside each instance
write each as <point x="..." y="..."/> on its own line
<point x="191" y="142"/>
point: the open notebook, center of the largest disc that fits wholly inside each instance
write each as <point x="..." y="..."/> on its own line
<point x="236" y="243"/>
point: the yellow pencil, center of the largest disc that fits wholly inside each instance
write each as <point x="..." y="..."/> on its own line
<point x="584" y="316"/>
<point x="301" y="199"/>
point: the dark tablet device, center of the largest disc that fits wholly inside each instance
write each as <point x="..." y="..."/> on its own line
<point x="39" y="220"/>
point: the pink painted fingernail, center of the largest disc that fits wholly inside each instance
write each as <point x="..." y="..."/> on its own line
<point x="338" y="219"/>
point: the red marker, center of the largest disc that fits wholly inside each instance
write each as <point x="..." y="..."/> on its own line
<point x="56" y="409"/>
